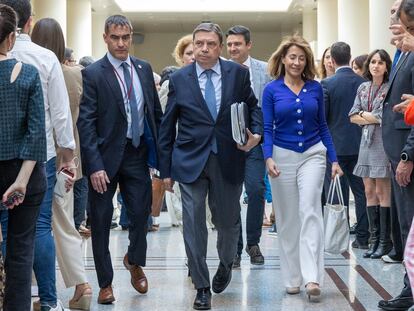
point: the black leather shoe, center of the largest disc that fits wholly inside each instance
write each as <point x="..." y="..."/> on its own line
<point x="236" y="262"/>
<point x="222" y="278"/>
<point x="203" y="299"/>
<point x="398" y="303"/>
<point x="256" y="257"/>
<point x="357" y="244"/>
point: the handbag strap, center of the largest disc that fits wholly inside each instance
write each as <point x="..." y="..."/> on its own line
<point x="331" y="192"/>
<point x="339" y="190"/>
<point x="335" y="187"/>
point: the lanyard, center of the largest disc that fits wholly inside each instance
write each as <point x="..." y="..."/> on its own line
<point x="371" y="103"/>
<point x="128" y="94"/>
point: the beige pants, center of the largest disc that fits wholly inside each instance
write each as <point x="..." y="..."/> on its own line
<point x="297" y="200"/>
<point x="68" y="241"/>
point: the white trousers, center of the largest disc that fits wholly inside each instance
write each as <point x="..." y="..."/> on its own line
<point x="68" y="241"/>
<point x="297" y="200"/>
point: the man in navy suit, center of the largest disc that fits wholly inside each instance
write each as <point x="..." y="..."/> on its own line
<point x="339" y="95"/>
<point x="238" y="47"/>
<point x="203" y="157"/>
<point x="118" y="124"/>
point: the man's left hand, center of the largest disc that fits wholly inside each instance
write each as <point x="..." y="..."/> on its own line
<point x="402" y="107"/>
<point x="404" y="40"/>
<point x="403" y="173"/>
<point x="252" y="141"/>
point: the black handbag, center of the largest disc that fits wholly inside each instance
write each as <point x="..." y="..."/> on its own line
<point x="239" y="122"/>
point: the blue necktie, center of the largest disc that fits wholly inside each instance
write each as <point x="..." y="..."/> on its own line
<point x="395" y="61"/>
<point x="133" y="106"/>
<point x="210" y="98"/>
<point x="210" y="95"/>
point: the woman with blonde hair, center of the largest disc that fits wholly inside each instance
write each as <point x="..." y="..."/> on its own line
<point x="296" y="140"/>
<point x="183" y="55"/>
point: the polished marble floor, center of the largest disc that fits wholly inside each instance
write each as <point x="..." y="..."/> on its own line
<point x="351" y="282"/>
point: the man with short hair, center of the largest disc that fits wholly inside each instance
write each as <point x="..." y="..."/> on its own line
<point x="118" y="124"/>
<point x="203" y="157"/>
<point x="398" y="140"/>
<point x="238" y="47"/>
<point x="339" y="94"/>
<point x="58" y="124"/>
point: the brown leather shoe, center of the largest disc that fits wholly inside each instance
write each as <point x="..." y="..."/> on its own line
<point x="106" y="295"/>
<point x="138" y="278"/>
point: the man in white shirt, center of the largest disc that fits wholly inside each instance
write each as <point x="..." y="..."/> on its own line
<point x="59" y="121"/>
<point x="238" y="47"/>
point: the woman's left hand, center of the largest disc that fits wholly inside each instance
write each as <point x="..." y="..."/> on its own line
<point x="336" y="170"/>
<point x="18" y="191"/>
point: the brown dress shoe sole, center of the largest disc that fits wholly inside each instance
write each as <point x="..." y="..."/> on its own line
<point x="106" y="301"/>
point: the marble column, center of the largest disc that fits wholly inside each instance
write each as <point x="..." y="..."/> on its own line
<point x="79" y="27"/>
<point x="353" y="25"/>
<point x="51" y="8"/>
<point x="327" y="15"/>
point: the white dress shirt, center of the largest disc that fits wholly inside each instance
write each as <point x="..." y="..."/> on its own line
<point x="139" y="95"/>
<point x="57" y="108"/>
<point x="215" y="78"/>
<point x="248" y="64"/>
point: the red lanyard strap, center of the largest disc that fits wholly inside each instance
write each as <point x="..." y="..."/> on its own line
<point x="123" y="83"/>
<point x="371" y="103"/>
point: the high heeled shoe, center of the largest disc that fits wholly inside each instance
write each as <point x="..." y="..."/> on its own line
<point x="82" y="302"/>
<point x="313" y="290"/>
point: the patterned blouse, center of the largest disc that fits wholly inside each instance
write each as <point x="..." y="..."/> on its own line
<point x="370" y="98"/>
<point x="22" y="114"/>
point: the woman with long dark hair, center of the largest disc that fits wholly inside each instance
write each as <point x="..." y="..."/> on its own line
<point x="373" y="165"/>
<point x="68" y="242"/>
<point x="22" y="154"/>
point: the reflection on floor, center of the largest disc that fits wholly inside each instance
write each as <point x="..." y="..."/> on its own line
<point x="351" y="282"/>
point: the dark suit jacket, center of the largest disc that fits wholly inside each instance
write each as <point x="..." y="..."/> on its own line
<point x="339" y="93"/>
<point x="184" y="157"/>
<point x="398" y="136"/>
<point x="102" y="122"/>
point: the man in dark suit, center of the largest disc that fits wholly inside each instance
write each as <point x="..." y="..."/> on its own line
<point x="398" y="139"/>
<point x="339" y="95"/>
<point x="118" y="124"/>
<point x="203" y="157"/>
<point x="238" y="47"/>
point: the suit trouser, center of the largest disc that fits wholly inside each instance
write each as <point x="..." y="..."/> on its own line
<point x="68" y="241"/>
<point x="297" y="200"/>
<point x="255" y="189"/>
<point x="404" y="201"/>
<point x="398" y="249"/>
<point x="347" y="164"/>
<point x="135" y="186"/>
<point x="223" y="199"/>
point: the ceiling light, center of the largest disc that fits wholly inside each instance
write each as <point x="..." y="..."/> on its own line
<point x="204" y="6"/>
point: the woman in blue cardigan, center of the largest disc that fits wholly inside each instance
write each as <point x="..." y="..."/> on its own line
<point x="296" y="141"/>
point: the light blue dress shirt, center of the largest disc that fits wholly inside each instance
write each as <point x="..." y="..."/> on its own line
<point x="139" y="95"/>
<point x="215" y="78"/>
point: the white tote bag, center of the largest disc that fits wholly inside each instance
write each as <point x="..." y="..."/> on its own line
<point x="335" y="221"/>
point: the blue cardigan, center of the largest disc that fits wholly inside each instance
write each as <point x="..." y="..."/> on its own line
<point x="295" y="122"/>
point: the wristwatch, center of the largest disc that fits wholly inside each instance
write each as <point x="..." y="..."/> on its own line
<point x="404" y="157"/>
